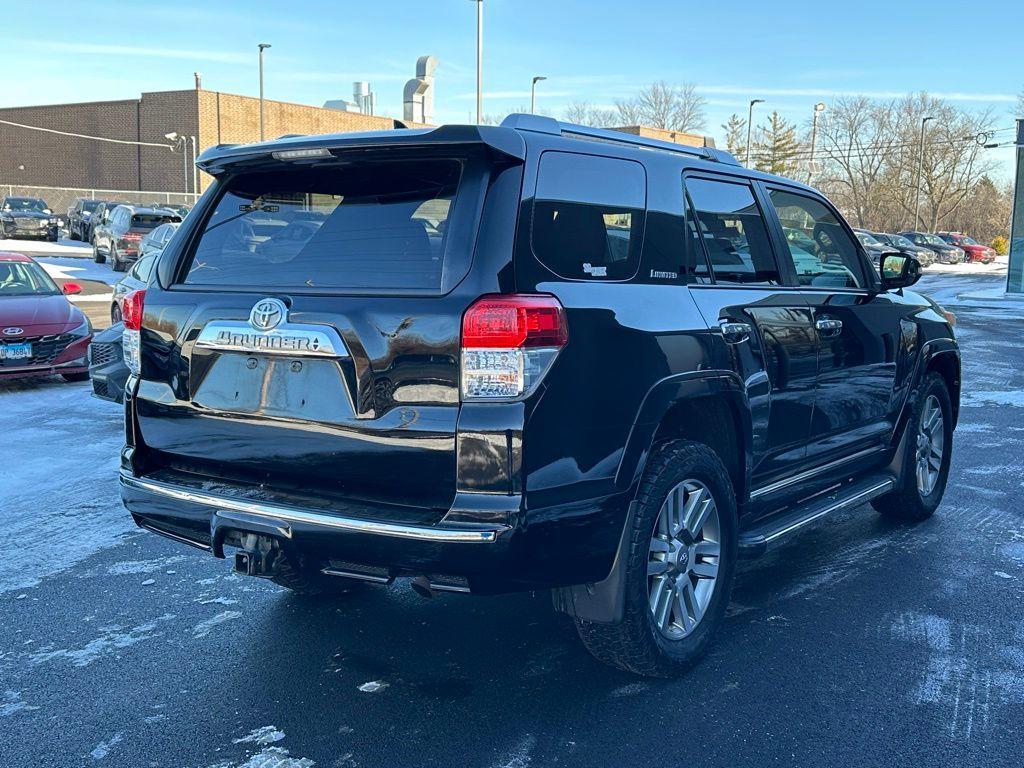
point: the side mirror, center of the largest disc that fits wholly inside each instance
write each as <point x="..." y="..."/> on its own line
<point x="70" y="289"/>
<point x="898" y="270"/>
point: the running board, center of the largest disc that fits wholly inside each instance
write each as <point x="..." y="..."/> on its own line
<point x="769" y="532"/>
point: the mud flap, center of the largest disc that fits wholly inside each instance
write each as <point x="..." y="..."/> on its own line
<point x="602" y="602"/>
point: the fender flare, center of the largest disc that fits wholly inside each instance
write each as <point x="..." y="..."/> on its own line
<point x="661" y="397"/>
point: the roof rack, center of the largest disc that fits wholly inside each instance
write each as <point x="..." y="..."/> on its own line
<point x="543" y="124"/>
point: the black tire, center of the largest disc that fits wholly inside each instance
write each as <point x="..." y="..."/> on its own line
<point x="98" y="257"/>
<point x="302" y="577"/>
<point x="636" y="644"/>
<point x="81" y="376"/>
<point x="115" y="262"/>
<point x="908" y="501"/>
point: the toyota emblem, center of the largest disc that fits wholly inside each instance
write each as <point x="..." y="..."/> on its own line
<point x="267" y="314"/>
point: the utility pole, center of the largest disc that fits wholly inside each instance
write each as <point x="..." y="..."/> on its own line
<point x="750" y="125"/>
<point x="533" y="93"/>
<point x="818" y="109"/>
<point x="195" y="170"/>
<point x="920" y="169"/>
<point x="262" y="47"/>
<point x="479" y="60"/>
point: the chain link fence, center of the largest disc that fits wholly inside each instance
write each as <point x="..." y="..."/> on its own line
<point x="61" y="199"/>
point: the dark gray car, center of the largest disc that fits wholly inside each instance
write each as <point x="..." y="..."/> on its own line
<point x="924" y="256"/>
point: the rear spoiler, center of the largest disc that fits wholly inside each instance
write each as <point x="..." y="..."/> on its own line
<point x="505" y="141"/>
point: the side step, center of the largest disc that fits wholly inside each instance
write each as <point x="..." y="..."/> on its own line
<point x="770" y="531"/>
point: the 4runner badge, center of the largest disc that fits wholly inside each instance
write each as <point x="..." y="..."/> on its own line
<point x="593" y="271"/>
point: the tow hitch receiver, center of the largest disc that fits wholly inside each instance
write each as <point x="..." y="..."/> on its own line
<point x="258" y="556"/>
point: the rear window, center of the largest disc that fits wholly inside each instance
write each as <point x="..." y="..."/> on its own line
<point x="150" y="220"/>
<point x="588" y="216"/>
<point x="363" y="226"/>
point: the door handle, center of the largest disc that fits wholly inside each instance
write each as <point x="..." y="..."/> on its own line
<point x="734" y="333"/>
<point x="829" y="327"/>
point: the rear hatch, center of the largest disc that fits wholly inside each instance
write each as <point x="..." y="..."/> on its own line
<point x="305" y="342"/>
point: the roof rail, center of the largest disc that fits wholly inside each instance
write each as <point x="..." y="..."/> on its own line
<point x="542" y="124"/>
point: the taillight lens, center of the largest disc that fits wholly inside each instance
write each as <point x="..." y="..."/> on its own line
<point x="509" y="343"/>
<point x="131" y="338"/>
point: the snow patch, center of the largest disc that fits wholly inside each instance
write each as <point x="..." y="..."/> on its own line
<point x="112" y="639"/>
<point x="268" y="734"/>
<point x="203" y="628"/>
<point x="143" y="566"/>
<point x="276" y="757"/>
<point x="103" y="748"/>
<point x="373" y="686"/>
<point x="995" y="397"/>
<point x="520" y="756"/>
<point x="12" y="702"/>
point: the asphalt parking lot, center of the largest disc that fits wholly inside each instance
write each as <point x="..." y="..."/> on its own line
<point x="862" y="642"/>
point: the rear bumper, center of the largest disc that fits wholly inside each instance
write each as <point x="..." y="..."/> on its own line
<point x="555" y="550"/>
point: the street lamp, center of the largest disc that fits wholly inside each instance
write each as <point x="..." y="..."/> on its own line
<point x="479" y="60"/>
<point x="179" y="143"/>
<point x="750" y="124"/>
<point x="533" y="93"/>
<point x="262" y="47"/>
<point x="920" y="168"/>
<point x="818" y="109"/>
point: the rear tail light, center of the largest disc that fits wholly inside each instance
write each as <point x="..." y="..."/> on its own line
<point x="509" y="343"/>
<point x="131" y="336"/>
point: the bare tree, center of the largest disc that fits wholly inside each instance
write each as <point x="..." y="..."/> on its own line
<point x="585" y="113"/>
<point x="665" y="106"/>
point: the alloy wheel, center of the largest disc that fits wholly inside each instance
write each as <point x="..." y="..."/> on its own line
<point x="682" y="564"/>
<point x="931" y="441"/>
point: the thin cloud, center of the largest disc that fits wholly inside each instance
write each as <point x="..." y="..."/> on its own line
<point x="103" y="49"/>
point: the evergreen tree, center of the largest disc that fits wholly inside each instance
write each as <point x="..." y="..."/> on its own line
<point x="777" y="148"/>
<point x="736" y="136"/>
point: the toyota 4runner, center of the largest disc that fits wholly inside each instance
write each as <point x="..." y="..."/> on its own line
<point x="534" y="356"/>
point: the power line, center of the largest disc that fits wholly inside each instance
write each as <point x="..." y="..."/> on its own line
<point x="85" y="136"/>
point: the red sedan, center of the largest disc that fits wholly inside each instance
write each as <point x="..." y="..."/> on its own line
<point x="41" y="332"/>
<point x="974" y="250"/>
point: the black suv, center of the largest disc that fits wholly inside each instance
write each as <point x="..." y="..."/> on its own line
<point x="28" y="217"/>
<point x="80" y="216"/>
<point x="534" y="356"/>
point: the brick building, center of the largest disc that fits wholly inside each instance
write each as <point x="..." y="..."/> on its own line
<point x="36" y="158"/>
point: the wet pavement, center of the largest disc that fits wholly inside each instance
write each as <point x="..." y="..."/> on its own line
<point x="862" y="642"/>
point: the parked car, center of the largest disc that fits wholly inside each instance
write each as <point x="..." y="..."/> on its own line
<point x="974" y="250"/>
<point x="944" y="252"/>
<point x="924" y="256"/>
<point x="41" y="332"/>
<point x="100" y="216"/>
<point x="181" y="210"/>
<point x="872" y="246"/>
<point x="119" y="238"/>
<point x="135" y="279"/>
<point x="107" y="370"/>
<point x="476" y="359"/>
<point x="79" y="215"/>
<point x="155" y="241"/>
<point x="22" y="217"/>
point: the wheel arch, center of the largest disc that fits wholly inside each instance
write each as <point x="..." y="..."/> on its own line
<point x="945" y="360"/>
<point x="706" y="407"/>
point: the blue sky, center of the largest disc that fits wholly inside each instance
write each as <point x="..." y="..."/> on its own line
<point x="792" y="54"/>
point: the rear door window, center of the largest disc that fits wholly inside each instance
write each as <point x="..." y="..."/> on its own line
<point x="363" y="226"/>
<point x="588" y="216"/>
<point x="733" y="232"/>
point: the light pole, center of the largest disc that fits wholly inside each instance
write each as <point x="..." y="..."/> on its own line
<point x="750" y="124"/>
<point x="533" y="93"/>
<point x="920" y="168"/>
<point x="479" y="60"/>
<point x="180" y="142"/>
<point x="818" y="109"/>
<point x="262" y="47"/>
<point x="195" y="170"/>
